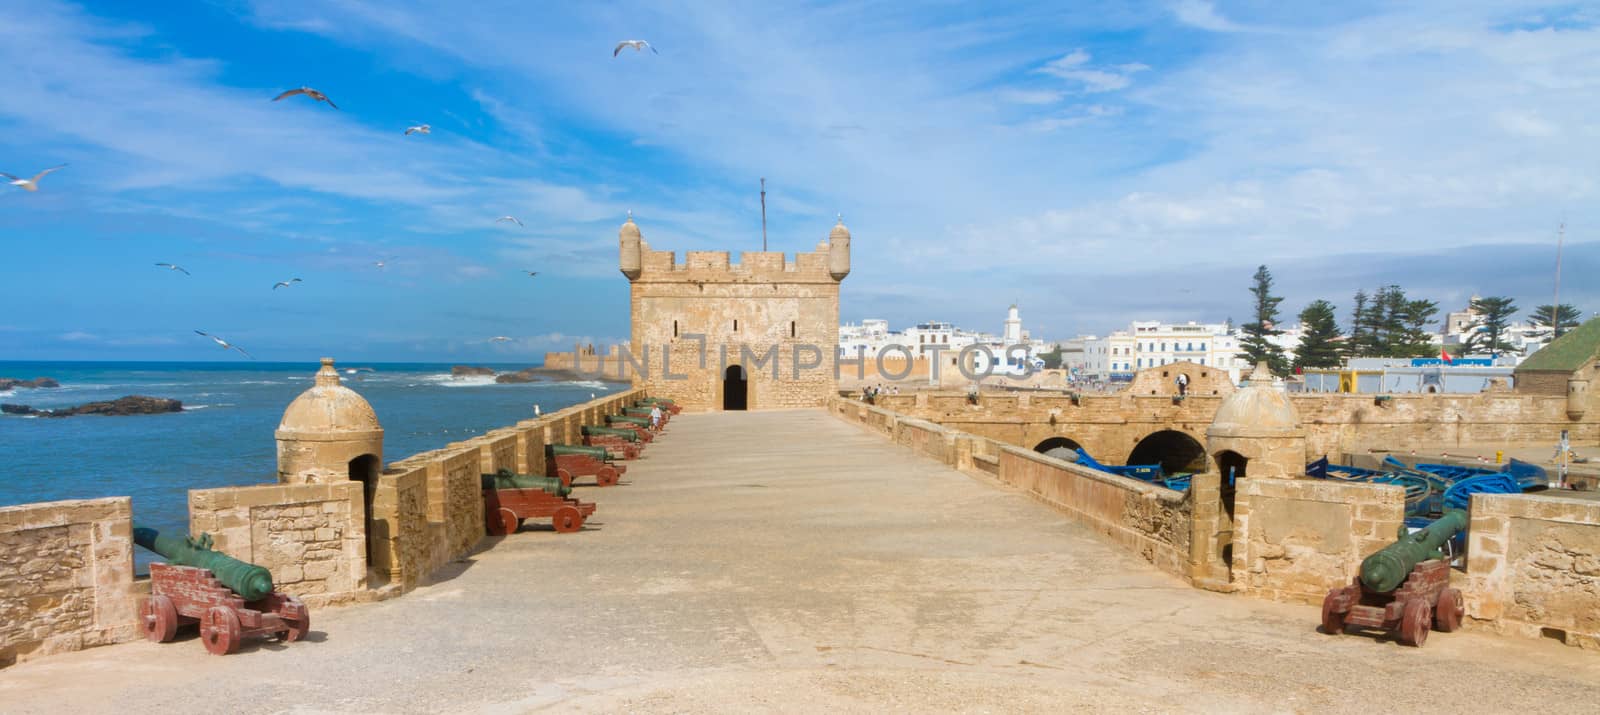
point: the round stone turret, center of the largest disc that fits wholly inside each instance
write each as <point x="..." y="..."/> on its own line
<point x="839" y="251"/>
<point x="628" y="239"/>
<point x="1259" y="425"/>
<point x="328" y="434"/>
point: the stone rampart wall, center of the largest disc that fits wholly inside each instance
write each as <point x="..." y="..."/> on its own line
<point x="312" y="537"/>
<point x="1533" y="567"/>
<point x="1295" y="539"/>
<point x="66" y="577"/>
<point x="1151" y="521"/>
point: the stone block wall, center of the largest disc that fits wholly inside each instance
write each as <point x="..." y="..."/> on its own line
<point x="530" y="447"/>
<point x="1295" y="539"/>
<point x="1151" y="521"/>
<point x="66" y="577"/>
<point x="1533" y="567"/>
<point x="455" y="501"/>
<point x="497" y="450"/>
<point x="400" y="538"/>
<point x="312" y="537"/>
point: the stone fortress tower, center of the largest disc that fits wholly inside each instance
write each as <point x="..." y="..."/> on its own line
<point x="329" y="434"/>
<point x="1257" y="431"/>
<point x="756" y="320"/>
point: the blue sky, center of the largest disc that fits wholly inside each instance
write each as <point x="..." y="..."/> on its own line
<point x="1099" y="162"/>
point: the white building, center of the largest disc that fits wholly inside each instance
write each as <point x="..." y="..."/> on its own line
<point x="1153" y="343"/>
<point x="935" y="337"/>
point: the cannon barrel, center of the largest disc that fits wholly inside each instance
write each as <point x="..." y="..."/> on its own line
<point x="627" y="435"/>
<point x="505" y="479"/>
<point x="636" y="411"/>
<point x="250" y="581"/>
<point x="568" y="450"/>
<point x="628" y="419"/>
<point x="665" y="401"/>
<point x="1386" y="570"/>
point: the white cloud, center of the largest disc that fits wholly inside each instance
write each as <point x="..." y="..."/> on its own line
<point x="1074" y="66"/>
<point x="1203" y="14"/>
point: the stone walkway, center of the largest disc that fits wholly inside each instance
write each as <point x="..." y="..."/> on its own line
<point x="790" y="562"/>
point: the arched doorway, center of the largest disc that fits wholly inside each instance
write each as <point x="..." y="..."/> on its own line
<point x="365" y="469"/>
<point x="1173" y="450"/>
<point x="1059" y="447"/>
<point x="735" y="394"/>
<point x="1231" y="465"/>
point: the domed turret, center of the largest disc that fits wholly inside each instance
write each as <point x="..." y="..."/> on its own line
<point x="628" y="239"/>
<point x="328" y="434"/>
<point x="839" y="251"/>
<point x="1261" y="425"/>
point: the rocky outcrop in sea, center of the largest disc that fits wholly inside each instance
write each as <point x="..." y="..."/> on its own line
<point x="7" y="383"/>
<point x="130" y="405"/>
<point x="466" y="370"/>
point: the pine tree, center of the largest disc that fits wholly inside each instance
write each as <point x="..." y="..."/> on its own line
<point x="1414" y="318"/>
<point x="1355" y="346"/>
<point x="1488" y="333"/>
<point x="1255" y="344"/>
<point x="1319" y="341"/>
<point x="1569" y="319"/>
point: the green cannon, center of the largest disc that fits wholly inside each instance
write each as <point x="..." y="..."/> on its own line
<point x="577" y="450"/>
<point x="1404" y="588"/>
<point x="626" y="435"/>
<point x="250" y="581"/>
<point x="505" y="479"/>
<point x="637" y="412"/>
<point x="1383" y="571"/>
<point x="628" y="419"/>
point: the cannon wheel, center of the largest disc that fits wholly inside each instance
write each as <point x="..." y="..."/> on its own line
<point x="1414" y="620"/>
<point x="606" y="477"/>
<point x="219" y="630"/>
<point x="500" y="521"/>
<point x="1332" y="618"/>
<point x="159" y="618"/>
<point x="567" y="519"/>
<point x="1447" y="613"/>
<point x="565" y="477"/>
<point x="299" y="624"/>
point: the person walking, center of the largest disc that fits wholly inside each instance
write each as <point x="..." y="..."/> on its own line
<point x="655" y="418"/>
<point x="1183" y="384"/>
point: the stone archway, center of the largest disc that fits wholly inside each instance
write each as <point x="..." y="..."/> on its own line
<point x="1175" y="451"/>
<point x="1059" y="447"/>
<point x="735" y="389"/>
<point x="365" y="469"/>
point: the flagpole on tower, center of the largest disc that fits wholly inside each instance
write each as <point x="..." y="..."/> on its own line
<point x="763" y="214"/>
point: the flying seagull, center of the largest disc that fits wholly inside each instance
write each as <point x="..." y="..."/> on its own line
<point x="284" y="284"/>
<point x="173" y="267"/>
<point x="637" y="45"/>
<point x="309" y="92"/>
<point x="225" y="344"/>
<point x="499" y="339"/>
<point x="512" y="219"/>
<point x="531" y="273"/>
<point x="30" y="184"/>
<point x="419" y="129"/>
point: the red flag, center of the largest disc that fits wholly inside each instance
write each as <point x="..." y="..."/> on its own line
<point x="1446" y="357"/>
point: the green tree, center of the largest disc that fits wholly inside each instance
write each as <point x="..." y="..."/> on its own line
<point x="1052" y="358"/>
<point x="1256" y="345"/>
<point x="1355" y="346"/>
<point x="1488" y="332"/>
<point x="1319" y="339"/>
<point x="1569" y="317"/>
<point x="1415" y="319"/>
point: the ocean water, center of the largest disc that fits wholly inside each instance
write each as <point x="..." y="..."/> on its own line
<point x="224" y="435"/>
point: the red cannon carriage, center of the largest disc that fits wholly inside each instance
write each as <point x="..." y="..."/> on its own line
<point x="640" y="425"/>
<point x="509" y="499"/>
<point x="567" y="462"/>
<point x="230" y="599"/>
<point x="624" y="443"/>
<point x="1404" y="587"/>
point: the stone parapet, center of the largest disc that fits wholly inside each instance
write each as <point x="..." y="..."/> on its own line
<point x="66" y="577"/>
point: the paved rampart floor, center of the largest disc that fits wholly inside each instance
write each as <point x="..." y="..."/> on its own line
<point x="787" y="561"/>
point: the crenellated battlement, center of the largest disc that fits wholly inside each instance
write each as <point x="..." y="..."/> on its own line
<point x="642" y="264"/>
